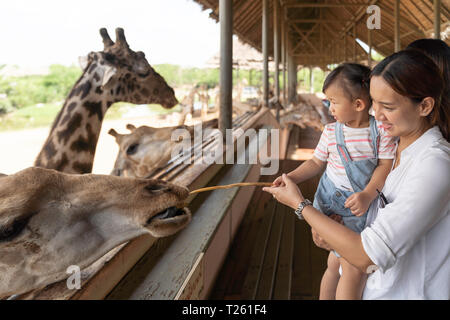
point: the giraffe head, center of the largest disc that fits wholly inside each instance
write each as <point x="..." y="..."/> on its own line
<point x="146" y="149"/>
<point x="126" y="75"/>
<point x="51" y="220"/>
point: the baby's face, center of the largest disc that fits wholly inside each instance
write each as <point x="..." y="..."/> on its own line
<point x="341" y="107"/>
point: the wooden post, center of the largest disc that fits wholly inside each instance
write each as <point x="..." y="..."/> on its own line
<point x="397" y="45"/>
<point x="437" y="18"/>
<point x="283" y="58"/>
<point x="355" y="43"/>
<point x="311" y="79"/>
<point x="276" y="56"/>
<point x="226" y="65"/>
<point x="265" y="49"/>
<point x="345" y="48"/>
<point x="292" y="79"/>
<point x="369" y="43"/>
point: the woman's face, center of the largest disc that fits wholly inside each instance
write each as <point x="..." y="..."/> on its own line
<point x="398" y="114"/>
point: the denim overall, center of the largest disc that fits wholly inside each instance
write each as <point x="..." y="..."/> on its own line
<point x="329" y="199"/>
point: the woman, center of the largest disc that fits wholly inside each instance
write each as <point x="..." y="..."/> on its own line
<point x="406" y="244"/>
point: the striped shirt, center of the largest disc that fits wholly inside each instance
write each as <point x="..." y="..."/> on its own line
<point x="359" y="145"/>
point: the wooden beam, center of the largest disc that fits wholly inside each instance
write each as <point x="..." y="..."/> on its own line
<point x="283" y="57"/>
<point x="414" y="3"/>
<point x="309" y="55"/>
<point x="305" y="37"/>
<point x="345" y="48"/>
<point x="389" y="41"/>
<point x="293" y="21"/>
<point x="249" y="16"/>
<point x="406" y="23"/>
<point x="369" y="43"/>
<point x="413" y="16"/>
<point x="276" y="56"/>
<point x="397" y="43"/>
<point x="265" y="51"/>
<point x="324" y="5"/>
<point x="226" y="65"/>
<point x="356" y="18"/>
<point x="354" y="43"/>
<point x="437" y="18"/>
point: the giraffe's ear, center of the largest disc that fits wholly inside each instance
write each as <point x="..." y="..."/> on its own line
<point x="108" y="74"/>
<point x="83" y="61"/>
<point x="131" y="127"/>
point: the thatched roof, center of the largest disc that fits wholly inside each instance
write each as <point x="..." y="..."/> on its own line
<point x="321" y="32"/>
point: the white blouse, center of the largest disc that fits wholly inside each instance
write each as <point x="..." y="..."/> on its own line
<point x="409" y="239"/>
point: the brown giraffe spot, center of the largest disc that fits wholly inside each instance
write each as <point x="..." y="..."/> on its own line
<point x="96" y="77"/>
<point x="49" y="150"/>
<point x="99" y="90"/>
<point x="68" y="110"/>
<point x="85" y="144"/>
<point x="82" y="167"/>
<point x="85" y="88"/>
<point x="73" y="124"/>
<point x="94" y="108"/>
<point x="71" y="106"/>
<point x="92" y="68"/>
<point x="61" y="164"/>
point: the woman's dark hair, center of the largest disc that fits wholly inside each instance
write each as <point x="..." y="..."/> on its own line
<point x="353" y="78"/>
<point x="439" y="52"/>
<point x="414" y="75"/>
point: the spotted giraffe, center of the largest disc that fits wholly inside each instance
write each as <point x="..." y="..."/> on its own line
<point x="115" y="74"/>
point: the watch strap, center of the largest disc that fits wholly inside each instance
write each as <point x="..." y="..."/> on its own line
<point x="300" y="208"/>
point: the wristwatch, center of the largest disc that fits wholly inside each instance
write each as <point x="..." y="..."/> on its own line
<point x="300" y="208"/>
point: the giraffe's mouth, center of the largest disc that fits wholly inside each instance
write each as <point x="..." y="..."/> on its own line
<point x="168" y="221"/>
<point x="168" y="213"/>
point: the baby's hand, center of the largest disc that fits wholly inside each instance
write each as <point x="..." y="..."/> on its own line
<point x="278" y="182"/>
<point x="358" y="203"/>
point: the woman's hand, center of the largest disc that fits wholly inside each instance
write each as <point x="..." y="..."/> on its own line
<point x="278" y="182"/>
<point x="288" y="194"/>
<point x="358" y="203"/>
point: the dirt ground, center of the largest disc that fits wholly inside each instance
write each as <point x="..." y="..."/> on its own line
<point x="19" y="149"/>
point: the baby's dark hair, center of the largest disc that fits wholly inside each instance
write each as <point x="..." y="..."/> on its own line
<point x="353" y="78"/>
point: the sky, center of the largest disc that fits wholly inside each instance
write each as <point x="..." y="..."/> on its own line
<point x="44" y="32"/>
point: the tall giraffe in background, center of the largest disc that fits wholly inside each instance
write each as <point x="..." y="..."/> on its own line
<point x="115" y="74"/>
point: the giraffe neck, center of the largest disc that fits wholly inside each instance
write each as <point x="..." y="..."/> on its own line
<point x="71" y="144"/>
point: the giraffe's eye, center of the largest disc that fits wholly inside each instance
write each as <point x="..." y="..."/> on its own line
<point x="8" y="232"/>
<point x="132" y="149"/>
<point x="143" y="75"/>
<point x="156" y="188"/>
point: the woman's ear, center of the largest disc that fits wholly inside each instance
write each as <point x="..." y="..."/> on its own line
<point x="426" y="106"/>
